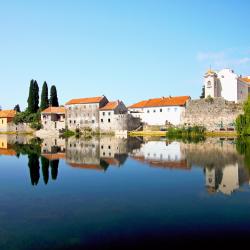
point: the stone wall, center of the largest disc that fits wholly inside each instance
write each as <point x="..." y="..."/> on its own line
<point x="211" y="113"/>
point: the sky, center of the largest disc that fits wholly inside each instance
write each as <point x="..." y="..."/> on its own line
<point x="129" y="50"/>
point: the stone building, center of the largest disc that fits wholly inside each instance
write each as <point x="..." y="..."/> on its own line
<point x="160" y="111"/>
<point x="84" y="112"/>
<point x="225" y="83"/>
<point x="53" y="119"/>
<point x="114" y="117"/>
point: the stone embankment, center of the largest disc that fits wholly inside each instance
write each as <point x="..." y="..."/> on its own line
<point x="211" y="113"/>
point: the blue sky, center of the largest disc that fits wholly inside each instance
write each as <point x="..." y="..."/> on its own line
<point x="129" y="50"/>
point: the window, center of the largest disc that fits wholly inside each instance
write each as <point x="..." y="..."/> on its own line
<point x="93" y="121"/>
<point x="74" y="121"/>
<point x="102" y="147"/>
<point x="109" y="147"/>
<point x="103" y="113"/>
<point x="108" y="120"/>
<point x="70" y="121"/>
<point x="168" y="109"/>
<point x="101" y="120"/>
<point x="103" y="153"/>
<point x="148" y="111"/>
<point x="160" y="110"/>
<point x="175" y="109"/>
<point x="154" y="111"/>
<point x="109" y="113"/>
<point x="209" y="84"/>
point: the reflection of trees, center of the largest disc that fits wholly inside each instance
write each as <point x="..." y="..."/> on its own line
<point x="34" y="168"/>
<point x="45" y="169"/>
<point x="54" y="169"/>
<point x="243" y="147"/>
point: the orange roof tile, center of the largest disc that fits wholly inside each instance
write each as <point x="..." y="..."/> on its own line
<point x="85" y="100"/>
<point x="10" y="152"/>
<point x="245" y="79"/>
<point x="86" y="166"/>
<point x="54" y="110"/>
<point x="163" y="101"/>
<point x="7" y="113"/>
<point x="110" y="106"/>
<point x="56" y="156"/>
<point x="111" y="161"/>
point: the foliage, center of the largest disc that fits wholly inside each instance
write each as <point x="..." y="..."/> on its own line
<point x="68" y="133"/>
<point x="26" y="117"/>
<point x="188" y="134"/>
<point x="17" y="108"/>
<point x="243" y="120"/>
<point x="243" y="148"/>
<point x="53" y="97"/>
<point x="26" y="149"/>
<point x="202" y="92"/>
<point x="210" y="99"/>
<point x="33" y="99"/>
<point x="44" y="97"/>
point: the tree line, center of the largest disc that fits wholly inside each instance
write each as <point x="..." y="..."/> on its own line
<point x="32" y="113"/>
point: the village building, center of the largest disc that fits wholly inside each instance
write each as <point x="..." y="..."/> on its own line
<point x="6" y="120"/>
<point x="160" y="111"/>
<point x="114" y="117"/>
<point x="225" y="83"/>
<point x="53" y="119"/>
<point x="84" y="112"/>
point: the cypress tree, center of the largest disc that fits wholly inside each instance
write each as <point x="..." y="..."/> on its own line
<point x="53" y="97"/>
<point x="44" y="97"/>
<point x="17" y="108"/>
<point x="33" y="99"/>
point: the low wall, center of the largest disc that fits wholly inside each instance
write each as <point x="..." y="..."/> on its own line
<point x="18" y="128"/>
<point x="211" y="113"/>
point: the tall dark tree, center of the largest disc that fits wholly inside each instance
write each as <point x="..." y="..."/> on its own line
<point x="34" y="168"/>
<point x="33" y="99"/>
<point x="44" y="97"/>
<point x="54" y="169"/>
<point x="53" y="97"/>
<point x="202" y="92"/>
<point x="17" y="108"/>
<point x="45" y="169"/>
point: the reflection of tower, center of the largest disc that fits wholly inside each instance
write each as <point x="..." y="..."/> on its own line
<point x="213" y="178"/>
<point x="230" y="179"/>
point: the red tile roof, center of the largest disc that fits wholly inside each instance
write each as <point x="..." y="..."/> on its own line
<point x="85" y="100"/>
<point x="7" y="113"/>
<point x="163" y="101"/>
<point x="245" y="79"/>
<point x="86" y="166"/>
<point x="54" y="110"/>
<point x="110" y="106"/>
<point x="10" y="152"/>
<point x="56" y="156"/>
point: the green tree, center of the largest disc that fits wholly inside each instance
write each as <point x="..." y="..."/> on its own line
<point x="53" y="97"/>
<point x="17" y="108"/>
<point x="33" y="99"/>
<point x="202" y="92"/>
<point x="44" y="97"/>
<point x="243" y="120"/>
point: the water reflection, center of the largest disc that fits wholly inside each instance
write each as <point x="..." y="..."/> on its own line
<point x="224" y="162"/>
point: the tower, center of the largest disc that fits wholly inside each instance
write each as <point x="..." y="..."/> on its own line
<point x="211" y="84"/>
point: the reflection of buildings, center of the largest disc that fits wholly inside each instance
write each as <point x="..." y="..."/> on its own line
<point x="53" y="148"/>
<point x="96" y="153"/>
<point x="162" y="154"/>
<point x="224" y="168"/>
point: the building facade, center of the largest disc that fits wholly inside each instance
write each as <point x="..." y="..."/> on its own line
<point x="225" y="83"/>
<point x="84" y="112"/>
<point x="53" y="119"/>
<point x="160" y="111"/>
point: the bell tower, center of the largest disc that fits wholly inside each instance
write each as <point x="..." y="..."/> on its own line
<point x="211" y="84"/>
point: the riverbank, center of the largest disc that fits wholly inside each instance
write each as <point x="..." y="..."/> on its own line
<point x="164" y="133"/>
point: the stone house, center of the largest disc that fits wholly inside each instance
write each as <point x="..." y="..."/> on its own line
<point x="160" y="111"/>
<point x="114" y="117"/>
<point x="84" y="112"/>
<point x="53" y="119"/>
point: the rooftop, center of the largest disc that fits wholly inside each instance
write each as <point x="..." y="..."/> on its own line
<point x="163" y="101"/>
<point x="7" y="113"/>
<point x="245" y="79"/>
<point x="96" y="99"/>
<point x="54" y="110"/>
<point x="110" y="105"/>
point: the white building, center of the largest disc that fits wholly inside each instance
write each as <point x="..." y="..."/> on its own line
<point x="160" y="111"/>
<point x="225" y="83"/>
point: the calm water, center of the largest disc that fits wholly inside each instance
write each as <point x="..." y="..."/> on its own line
<point x="121" y="193"/>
